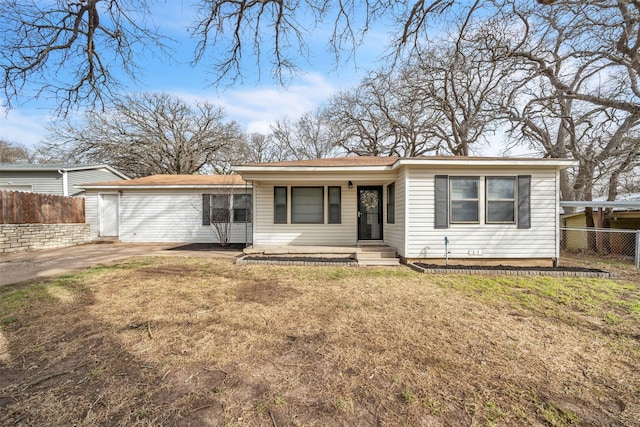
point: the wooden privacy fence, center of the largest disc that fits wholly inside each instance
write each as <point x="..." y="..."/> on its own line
<point x="34" y="208"/>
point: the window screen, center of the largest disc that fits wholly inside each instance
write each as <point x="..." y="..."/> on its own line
<point x="220" y="207"/>
<point x="464" y="199"/>
<point x="391" y="203"/>
<point x="242" y="208"/>
<point x="335" y="203"/>
<point x="501" y="199"/>
<point x="280" y="205"/>
<point x="307" y="205"/>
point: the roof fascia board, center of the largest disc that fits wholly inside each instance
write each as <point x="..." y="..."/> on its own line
<point x="156" y="187"/>
<point x="54" y="168"/>
<point x="333" y="169"/>
<point x="599" y="204"/>
<point x="542" y="163"/>
<point x="91" y="167"/>
<point x="553" y="163"/>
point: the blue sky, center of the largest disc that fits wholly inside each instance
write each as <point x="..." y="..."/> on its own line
<point x="254" y="104"/>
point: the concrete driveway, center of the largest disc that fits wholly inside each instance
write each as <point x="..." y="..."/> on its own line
<point x="23" y="266"/>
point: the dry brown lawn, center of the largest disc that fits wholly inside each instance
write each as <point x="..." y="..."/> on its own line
<point x="178" y="341"/>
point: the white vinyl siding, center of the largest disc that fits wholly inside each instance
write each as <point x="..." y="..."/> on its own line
<point x="91" y="213"/>
<point x="481" y="240"/>
<point x="394" y="234"/>
<point x="266" y="233"/>
<point x="164" y="216"/>
<point x="88" y="176"/>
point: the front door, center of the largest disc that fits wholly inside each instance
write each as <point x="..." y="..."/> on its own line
<point x="109" y="215"/>
<point x="370" y="213"/>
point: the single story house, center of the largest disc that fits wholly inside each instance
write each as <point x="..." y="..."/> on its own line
<point x="170" y="208"/>
<point x="467" y="209"/>
<point x="61" y="180"/>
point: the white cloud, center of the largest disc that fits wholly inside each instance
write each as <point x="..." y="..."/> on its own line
<point x="23" y="127"/>
<point x="257" y="108"/>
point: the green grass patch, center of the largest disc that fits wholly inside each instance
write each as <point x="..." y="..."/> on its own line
<point x="610" y="300"/>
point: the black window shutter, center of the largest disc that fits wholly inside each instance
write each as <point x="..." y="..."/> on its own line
<point x="524" y="201"/>
<point x="442" y="201"/>
<point x="206" y="209"/>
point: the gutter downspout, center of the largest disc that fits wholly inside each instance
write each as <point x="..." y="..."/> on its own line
<point x="65" y="182"/>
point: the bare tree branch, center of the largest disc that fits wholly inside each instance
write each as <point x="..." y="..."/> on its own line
<point x="149" y="134"/>
<point x="72" y="49"/>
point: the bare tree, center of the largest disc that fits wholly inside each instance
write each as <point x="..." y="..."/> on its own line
<point x="573" y="96"/>
<point x="309" y="137"/>
<point x="444" y="100"/>
<point x="464" y="84"/>
<point x="14" y="153"/>
<point x="150" y="133"/>
<point x="261" y="148"/>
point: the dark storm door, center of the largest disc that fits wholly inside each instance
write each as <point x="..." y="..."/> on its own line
<point x="369" y="213"/>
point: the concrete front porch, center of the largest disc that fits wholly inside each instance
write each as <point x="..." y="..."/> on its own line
<point x="367" y="254"/>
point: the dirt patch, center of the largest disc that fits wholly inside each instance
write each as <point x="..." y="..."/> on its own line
<point x="209" y="247"/>
<point x="267" y="293"/>
<point x="181" y="341"/>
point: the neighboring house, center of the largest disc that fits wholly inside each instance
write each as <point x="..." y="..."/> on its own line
<point x="624" y="215"/>
<point x="488" y="210"/>
<point x="61" y="180"/>
<point x="170" y="208"/>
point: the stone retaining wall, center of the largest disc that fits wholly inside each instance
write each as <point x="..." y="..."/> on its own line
<point x="31" y="237"/>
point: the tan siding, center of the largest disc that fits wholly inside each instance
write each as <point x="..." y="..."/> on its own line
<point x="494" y="240"/>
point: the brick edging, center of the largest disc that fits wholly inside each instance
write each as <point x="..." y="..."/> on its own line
<point x="275" y="261"/>
<point x="523" y="272"/>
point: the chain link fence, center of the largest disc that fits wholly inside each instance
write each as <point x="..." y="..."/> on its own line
<point x="602" y="242"/>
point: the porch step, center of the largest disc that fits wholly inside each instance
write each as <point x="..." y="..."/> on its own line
<point x="103" y="240"/>
<point x="377" y="255"/>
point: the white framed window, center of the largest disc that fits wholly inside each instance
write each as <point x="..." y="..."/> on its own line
<point x="464" y="200"/>
<point x="501" y="199"/>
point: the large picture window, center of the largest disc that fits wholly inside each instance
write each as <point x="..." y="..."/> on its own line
<point x="335" y="205"/>
<point x="280" y="205"/>
<point x="464" y="199"/>
<point x="501" y="199"/>
<point x="307" y="205"/>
